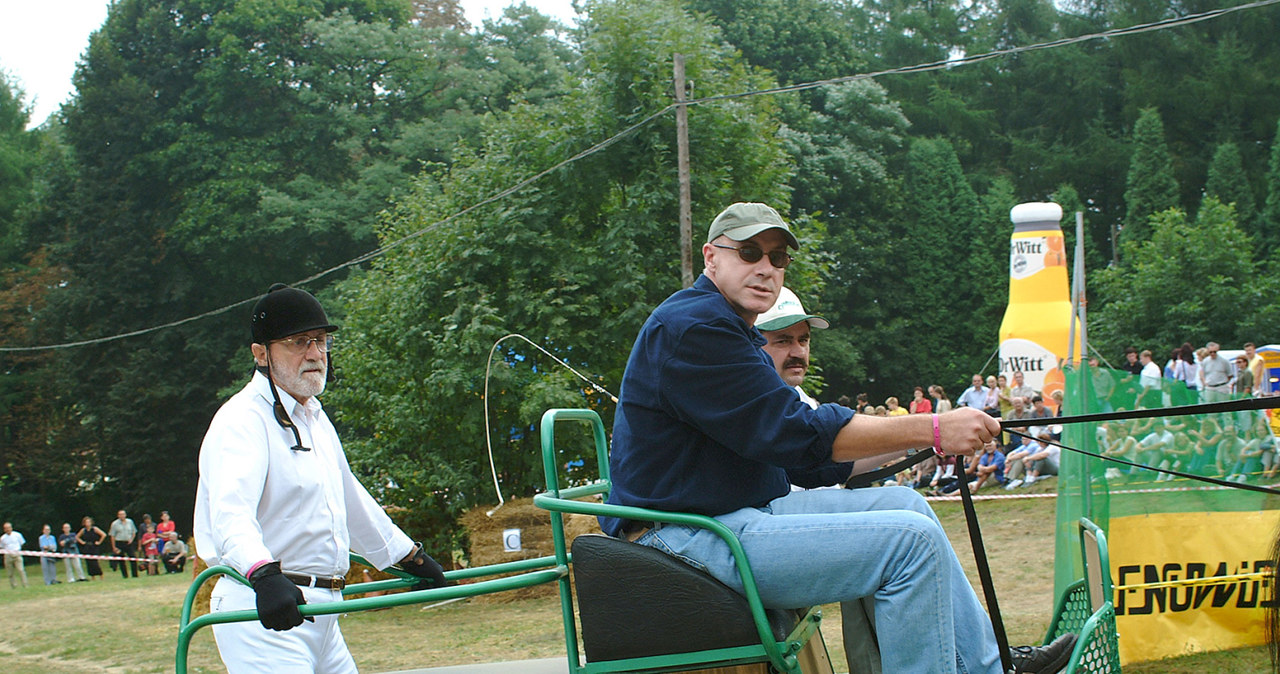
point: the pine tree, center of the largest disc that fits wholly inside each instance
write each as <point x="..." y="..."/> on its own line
<point x="1230" y="184"/>
<point x="1150" y="186"/>
<point x="1269" y="222"/>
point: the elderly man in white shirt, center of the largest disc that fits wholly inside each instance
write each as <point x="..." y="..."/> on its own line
<point x="277" y="501"/>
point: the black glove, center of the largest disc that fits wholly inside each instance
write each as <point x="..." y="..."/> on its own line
<point x="278" y="598"/>
<point x="420" y="564"/>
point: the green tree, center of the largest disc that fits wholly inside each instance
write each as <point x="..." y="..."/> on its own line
<point x="575" y="261"/>
<point x="1228" y="182"/>
<point x="219" y="146"/>
<point x="893" y="273"/>
<point x="1269" y="220"/>
<point x="1189" y="282"/>
<point x="1150" y="186"/>
<point x="18" y="157"/>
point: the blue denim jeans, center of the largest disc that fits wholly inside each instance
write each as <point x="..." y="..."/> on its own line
<point x="838" y="545"/>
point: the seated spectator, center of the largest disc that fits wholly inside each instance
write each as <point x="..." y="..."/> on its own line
<point x="1038" y="410"/>
<point x="175" y="554"/>
<point x="1207" y="438"/>
<point x="1151" y="448"/>
<point x="1020" y="412"/>
<point x="944" y="473"/>
<point x="1037" y="460"/>
<point x="940" y="401"/>
<point x="988" y="468"/>
<point x="919" y="403"/>
<point x="894" y="410"/>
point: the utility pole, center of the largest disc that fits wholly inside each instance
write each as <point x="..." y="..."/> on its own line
<point x="682" y="171"/>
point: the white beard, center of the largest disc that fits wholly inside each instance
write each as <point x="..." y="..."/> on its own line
<point x="306" y="382"/>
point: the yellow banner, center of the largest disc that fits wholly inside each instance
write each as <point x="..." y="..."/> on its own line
<point x="1163" y="608"/>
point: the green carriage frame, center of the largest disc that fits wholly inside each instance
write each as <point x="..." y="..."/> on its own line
<point x="1084" y="608"/>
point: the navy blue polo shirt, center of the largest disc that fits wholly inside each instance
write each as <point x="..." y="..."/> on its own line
<point x="704" y="422"/>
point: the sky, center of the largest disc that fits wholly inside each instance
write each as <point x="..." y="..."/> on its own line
<point x="41" y="41"/>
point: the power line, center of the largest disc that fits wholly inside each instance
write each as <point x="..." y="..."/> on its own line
<point x="1153" y="26"/>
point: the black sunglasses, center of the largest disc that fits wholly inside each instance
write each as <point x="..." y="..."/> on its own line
<point x="752" y="255"/>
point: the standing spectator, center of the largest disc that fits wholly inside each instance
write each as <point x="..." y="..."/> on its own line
<point x="90" y="539"/>
<point x="67" y="546"/>
<point x="48" y="565"/>
<point x="1215" y="374"/>
<point x="1184" y="368"/>
<point x="992" y="404"/>
<point x="142" y="528"/>
<point x="11" y="543"/>
<point x="863" y="402"/>
<point x="1150" y="374"/>
<point x="1170" y="364"/>
<point x="149" y="550"/>
<point x="124" y="533"/>
<point x="1103" y="386"/>
<point x="941" y="402"/>
<point x="1257" y="368"/>
<point x="1131" y="363"/>
<point x="1242" y="385"/>
<point x="165" y="526"/>
<point x="975" y="396"/>
<point x="175" y="553"/>
<point x="894" y="409"/>
<point x="919" y="403"/>
<point x="1020" y="389"/>
<point x="1004" y="393"/>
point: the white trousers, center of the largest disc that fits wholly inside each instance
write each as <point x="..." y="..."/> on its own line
<point x="250" y="648"/>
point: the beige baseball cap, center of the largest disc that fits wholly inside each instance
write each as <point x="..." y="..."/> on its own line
<point x="745" y="219"/>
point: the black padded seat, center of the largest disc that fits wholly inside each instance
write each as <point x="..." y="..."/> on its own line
<point x="635" y="601"/>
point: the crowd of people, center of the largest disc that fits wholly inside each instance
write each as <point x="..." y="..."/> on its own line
<point x="1012" y="460"/>
<point x="1237" y="447"/>
<point x="150" y="545"/>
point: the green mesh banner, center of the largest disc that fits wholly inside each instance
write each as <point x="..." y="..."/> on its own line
<point x="1235" y="446"/>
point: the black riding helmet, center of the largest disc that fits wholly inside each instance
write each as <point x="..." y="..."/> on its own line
<point x="285" y="311"/>
<point x="281" y="312"/>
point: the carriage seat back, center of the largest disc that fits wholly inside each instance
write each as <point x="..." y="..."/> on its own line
<point x="635" y="601"/>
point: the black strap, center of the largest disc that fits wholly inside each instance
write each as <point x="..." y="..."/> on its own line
<point x="865" y="479"/>
<point x="984" y="573"/>
<point x="1241" y="405"/>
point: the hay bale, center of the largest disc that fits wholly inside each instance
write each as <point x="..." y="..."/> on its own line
<point x="485" y="533"/>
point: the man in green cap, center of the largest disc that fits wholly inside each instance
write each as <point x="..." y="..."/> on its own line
<point x="705" y="425"/>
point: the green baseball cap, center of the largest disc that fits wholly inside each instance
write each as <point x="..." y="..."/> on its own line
<point x="743" y="220"/>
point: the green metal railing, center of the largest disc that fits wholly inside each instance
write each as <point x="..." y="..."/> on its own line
<point x="782" y="655"/>
<point x="529" y="572"/>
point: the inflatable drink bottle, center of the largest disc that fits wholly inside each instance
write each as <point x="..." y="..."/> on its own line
<point x="1037" y="322"/>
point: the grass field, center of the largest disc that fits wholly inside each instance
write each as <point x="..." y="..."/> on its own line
<point x="126" y="626"/>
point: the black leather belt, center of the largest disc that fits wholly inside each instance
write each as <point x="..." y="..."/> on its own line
<point x="335" y="583"/>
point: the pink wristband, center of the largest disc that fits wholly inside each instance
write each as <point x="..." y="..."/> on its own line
<point x="268" y="561"/>
<point x="937" y="438"/>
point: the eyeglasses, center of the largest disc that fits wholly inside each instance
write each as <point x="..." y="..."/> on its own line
<point x="752" y="255"/>
<point x="299" y="344"/>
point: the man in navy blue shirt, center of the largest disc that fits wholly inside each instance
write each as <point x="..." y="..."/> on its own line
<point x="706" y="425"/>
